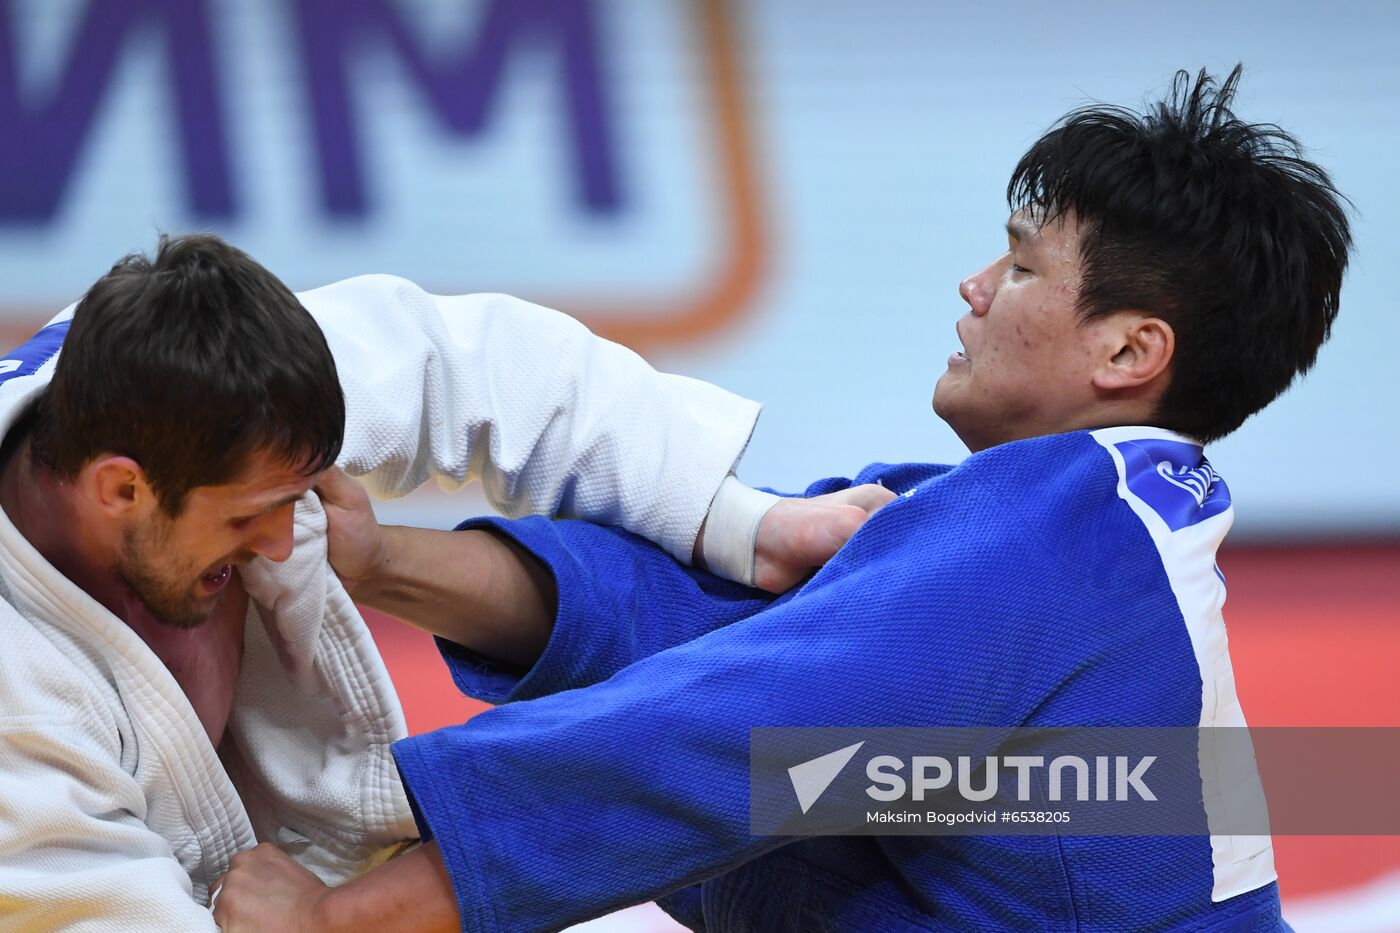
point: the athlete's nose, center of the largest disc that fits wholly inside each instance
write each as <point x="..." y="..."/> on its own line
<point x="271" y="535"/>
<point x="977" y="291"/>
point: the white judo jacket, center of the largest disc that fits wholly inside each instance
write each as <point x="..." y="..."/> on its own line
<point x="116" y="813"/>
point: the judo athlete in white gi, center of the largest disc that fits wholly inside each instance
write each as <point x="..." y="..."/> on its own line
<point x="182" y="674"/>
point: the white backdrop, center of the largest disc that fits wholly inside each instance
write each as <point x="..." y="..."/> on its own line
<point x="875" y="139"/>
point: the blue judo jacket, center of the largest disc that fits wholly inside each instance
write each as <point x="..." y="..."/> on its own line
<point x="1063" y="580"/>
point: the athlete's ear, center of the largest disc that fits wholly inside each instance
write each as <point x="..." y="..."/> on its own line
<point x="1140" y="351"/>
<point x="116" y="485"/>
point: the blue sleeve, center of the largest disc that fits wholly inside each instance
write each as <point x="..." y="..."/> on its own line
<point x="562" y="808"/>
<point x="620" y="599"/>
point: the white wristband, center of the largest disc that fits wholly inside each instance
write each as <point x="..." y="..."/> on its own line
<point x="731" y="530"/>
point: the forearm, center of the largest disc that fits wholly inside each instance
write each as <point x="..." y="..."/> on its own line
<point x="474" y="588"/>
<point x="409" y="894"/>
<point x="617" y="599"/>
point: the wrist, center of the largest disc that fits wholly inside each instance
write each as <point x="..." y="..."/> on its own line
<point x="373" y="571"/>
<point x="730" y="539"/>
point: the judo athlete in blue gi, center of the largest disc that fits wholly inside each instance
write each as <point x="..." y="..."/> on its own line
<point x="1166" y="276"/>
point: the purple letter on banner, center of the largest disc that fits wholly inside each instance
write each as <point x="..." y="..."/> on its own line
<point x="461" y="88"/>
<point x="44" y="130"/>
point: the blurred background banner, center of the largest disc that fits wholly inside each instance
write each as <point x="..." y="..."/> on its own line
<point x="775" y="195"/>
<point x="778" y="196"/>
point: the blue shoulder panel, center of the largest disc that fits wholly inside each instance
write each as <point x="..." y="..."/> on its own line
<point x="1175" y="479"/>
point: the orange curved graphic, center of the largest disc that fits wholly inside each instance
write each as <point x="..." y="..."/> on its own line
<point x="648" y="324"/>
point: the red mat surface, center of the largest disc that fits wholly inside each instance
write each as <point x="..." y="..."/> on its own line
<point x="1315" y="638"/>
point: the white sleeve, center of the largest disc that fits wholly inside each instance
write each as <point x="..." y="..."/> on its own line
<point x="74" y="853"/>
<point x="552" y="419"/>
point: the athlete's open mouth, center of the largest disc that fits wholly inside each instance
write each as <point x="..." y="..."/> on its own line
<point x="218" y="577"/>
<point x="957" y="329"/>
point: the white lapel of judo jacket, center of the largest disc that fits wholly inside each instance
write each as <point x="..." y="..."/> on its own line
<point x="101" y="741"/>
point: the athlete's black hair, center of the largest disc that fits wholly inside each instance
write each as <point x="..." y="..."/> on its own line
<point x="1220" y="227"/>
<point x="188" y="363"/>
